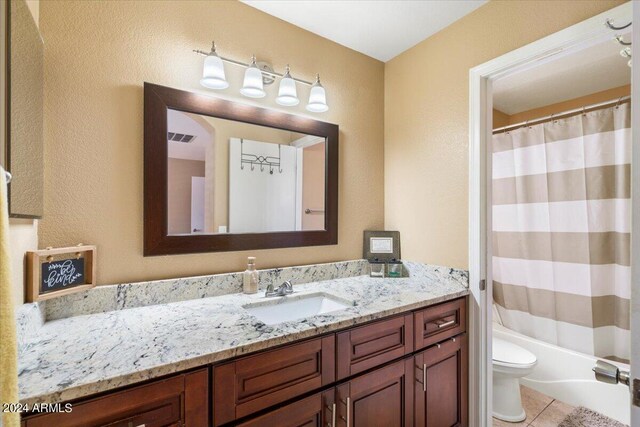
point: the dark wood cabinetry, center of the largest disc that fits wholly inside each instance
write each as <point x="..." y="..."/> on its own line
<point x="368" y="346"/>
<point x="441" y="384"/>
<point x="253" y="383"/>
<point x="437" y="323"/>
<point x="178" y="401"/>
<point x="403" y="371"/>
<point x="313" y="411"/>
<point x="381" y="398"/>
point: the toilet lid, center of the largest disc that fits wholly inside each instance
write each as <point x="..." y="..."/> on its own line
<point x="508" y="352"/>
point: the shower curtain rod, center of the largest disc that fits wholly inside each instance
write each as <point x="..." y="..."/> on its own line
<point x="554" y="116"/>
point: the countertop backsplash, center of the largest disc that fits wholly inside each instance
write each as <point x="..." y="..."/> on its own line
<point x="114" y="336"/>
<point x="129" y="295"/>
<point x="107" y="298"/>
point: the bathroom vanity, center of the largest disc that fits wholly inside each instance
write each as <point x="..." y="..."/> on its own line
<point x="396" y="357"/>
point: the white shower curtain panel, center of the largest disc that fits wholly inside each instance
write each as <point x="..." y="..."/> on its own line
<point x="561" y="231"/>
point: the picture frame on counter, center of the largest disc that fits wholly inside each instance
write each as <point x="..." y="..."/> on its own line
<point x="55" y="272"/>
<point x="381" y="245"/>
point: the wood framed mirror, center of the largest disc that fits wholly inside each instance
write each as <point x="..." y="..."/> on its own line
<point x="21" y="121"/>
<point x="225" y="176"/>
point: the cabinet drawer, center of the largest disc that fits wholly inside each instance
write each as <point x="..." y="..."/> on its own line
<point x="437" y="323"/>
<point x="178" y="400"/>
<point x="371" y="345"/>
<point x="313" y="411"/>
<point x="253" y="383"/>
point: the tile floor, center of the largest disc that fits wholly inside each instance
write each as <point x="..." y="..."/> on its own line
<point x="542" y="410"/>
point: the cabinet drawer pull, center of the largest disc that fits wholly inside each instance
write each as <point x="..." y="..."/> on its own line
<point x="424" y="377"/>
<point x="445" y="324"/>
<point x="347" y="403"/>
<point x="332" y="408"/>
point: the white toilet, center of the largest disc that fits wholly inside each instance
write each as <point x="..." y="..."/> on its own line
<point x="510" y="363"/>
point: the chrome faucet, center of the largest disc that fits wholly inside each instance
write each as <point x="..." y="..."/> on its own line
<point x="285" y="289"/>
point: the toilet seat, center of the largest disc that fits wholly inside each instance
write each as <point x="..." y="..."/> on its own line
<point x="510" y="355"/>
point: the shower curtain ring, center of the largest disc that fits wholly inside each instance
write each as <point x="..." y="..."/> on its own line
<point x="618" y="103"/>
<point x="552" y="119"/>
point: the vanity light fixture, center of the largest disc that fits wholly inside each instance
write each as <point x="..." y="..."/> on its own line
<point x="256" y="76"/>
<point x="287" y="93"/>
<point x="317" y="97"/>
<point x="213" y="75"/>
<point x="253" y="85"/>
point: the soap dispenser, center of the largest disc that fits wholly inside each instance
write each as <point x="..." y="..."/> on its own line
<point x="250" y="277"/>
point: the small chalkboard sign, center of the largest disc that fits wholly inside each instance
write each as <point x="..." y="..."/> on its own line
<point x="56" y="272"/>
<point x="58" y="275"/>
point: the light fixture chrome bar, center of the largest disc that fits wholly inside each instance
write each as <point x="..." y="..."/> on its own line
<point x="245" y="65"/>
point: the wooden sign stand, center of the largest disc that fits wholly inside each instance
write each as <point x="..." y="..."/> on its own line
<point x="34" y="270"/>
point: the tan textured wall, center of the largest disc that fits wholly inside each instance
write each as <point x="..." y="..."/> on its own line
<point x="594" y="98"/>
<point x="426" y="119"/>
<point x="97" y="56"/>
<point x="500" y="119"/>
<point x="180" y="172"/>
<point x="313" y="162"/>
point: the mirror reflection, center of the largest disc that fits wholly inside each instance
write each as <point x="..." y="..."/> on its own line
<point x="233" y="177"/>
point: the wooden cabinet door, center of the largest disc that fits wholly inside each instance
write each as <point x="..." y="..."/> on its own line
<point x="440" y="384"/>
<point x="314" y="411"/>
<point x="181" y="400"/>
<point x="380" y="398"/>
<point x="253" y="383"/>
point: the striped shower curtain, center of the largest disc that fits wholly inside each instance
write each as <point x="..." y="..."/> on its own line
<point x="561" y="231"/>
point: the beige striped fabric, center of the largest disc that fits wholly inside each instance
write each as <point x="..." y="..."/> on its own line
<point x="561" y="231"/>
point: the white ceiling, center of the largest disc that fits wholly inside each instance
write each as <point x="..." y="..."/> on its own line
<point x="594" y="69"/>
<point x="381" y="29"/>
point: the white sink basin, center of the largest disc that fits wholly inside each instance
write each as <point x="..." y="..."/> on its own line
<point x="293" y="307"/>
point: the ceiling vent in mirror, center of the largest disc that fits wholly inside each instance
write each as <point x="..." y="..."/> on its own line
<point x="180" y="137"/>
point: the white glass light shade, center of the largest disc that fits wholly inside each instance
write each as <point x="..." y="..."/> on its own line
<point x="213" y="73"/>
<point x="317" y="99"/>
<point x="252" y="86"/>
<point x="287" y="94"/>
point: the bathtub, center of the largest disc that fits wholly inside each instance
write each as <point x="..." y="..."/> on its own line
<point x="566" y="375"/>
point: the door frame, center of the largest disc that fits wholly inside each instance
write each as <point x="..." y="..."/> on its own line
<point x="567" y="41"/>
<point x="635" y="213"/>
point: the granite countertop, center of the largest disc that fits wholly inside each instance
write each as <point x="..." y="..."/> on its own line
<point x="77" y="356"/>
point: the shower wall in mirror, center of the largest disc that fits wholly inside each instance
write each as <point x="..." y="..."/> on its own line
<point x="232" y="177"/>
